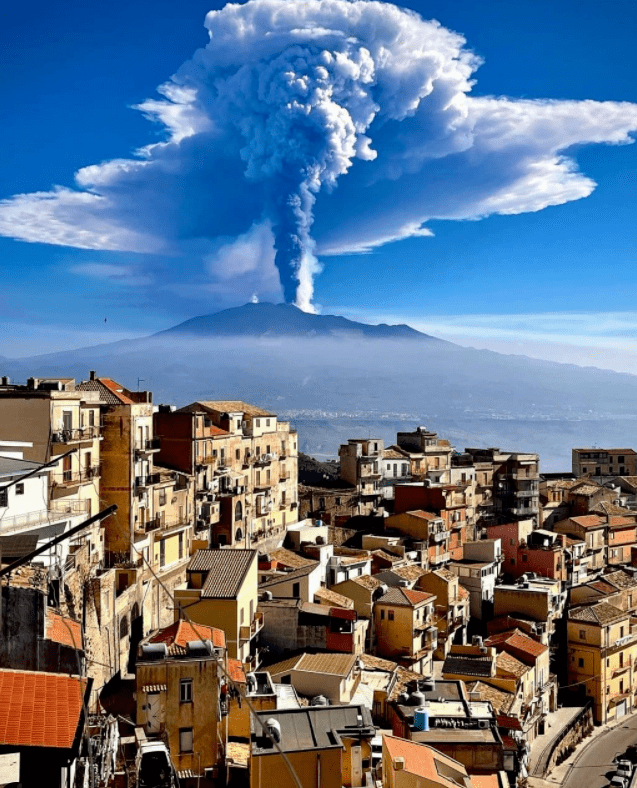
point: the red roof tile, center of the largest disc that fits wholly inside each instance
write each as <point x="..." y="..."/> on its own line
<point x="182" y="632"/>
<point x="236" y="671"/>
<point x="519" y="645"/>
<point x="39" y="709"/>
<point x="116" y="389"/>
<point x="420" y="760"/>
<point x="415" y="597"/>
<point x="63" y="630"/>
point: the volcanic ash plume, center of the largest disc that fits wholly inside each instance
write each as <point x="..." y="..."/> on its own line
<point x="299" y="84"/>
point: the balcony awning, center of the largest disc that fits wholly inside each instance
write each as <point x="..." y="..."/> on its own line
<point x="150" y="688"/>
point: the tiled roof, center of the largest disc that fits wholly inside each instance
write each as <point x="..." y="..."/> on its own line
<point x="465" y="665"/>
<point x="367" y="581"/>
<point x="376" y="663"/>
<point x="586" y="488"/>
<point x="40" y="709"/>
<point x="601" y="613"/>
<point x="110" y="391"/>
<point x="444" y="574"/>
<point x="421" y="514"/>
<point x="589" y="521"/>
<point x="462" y="592"/>
<point x="620" y="579"/>
<point x="403" y="678"/>
<point x="392" y="453"/>
<point x="518" y="642"/>
<point x="605" y="507"/>
<point x="507" y="664"/>
<point x="63" y="630"/>
<point x="500" y="699"/>
<point x="404" y="597"/>
<point x="180" y="633"/>
<point x="232" y="406"/>
<point x="411" y="572"/>
<point x="226" y="571"/>
<point x="288" y="558"/>
<point x="326" y="595"/>
<point x="387" y="556"/>
<point x="327" y="664"/>
<point x="236" y="671"/>
<point x="421" y="760"/>
<point x="277" y="579"/>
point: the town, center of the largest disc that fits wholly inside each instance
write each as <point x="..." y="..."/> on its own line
<point x="186" y="600"/>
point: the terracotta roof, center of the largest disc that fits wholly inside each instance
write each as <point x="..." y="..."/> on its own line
<point x="404" y="597"/>
<point x="490" y="780"/>
<point x="226" y="571"/>
<point x="410" y="572"/>
<point x="63" y="630"/>
<point x="500" y="699"/>
<point x="518" y="643"/>
<point x="444" y="574"/>
<point x="605" y="507"/>
<point x="232" y="406"/>
<point x="601" y="613"/>
<point x="376" y="663"/>
<point x="403" y="678"/>
<point x="505" y="664"/>
<point x="423" y="515"/>
<point x="392" y="453"/>
<point x="367" y="581"/>
<point x="462" y="592"/>
<point x="178" y="634"/>
<point x="326" y="595"/>
<point x="236" y="671"/>
<point x="111" y="392"/>
<point x="602" y="587"/>
<point x="277" y="579"/>
<point x="620" y="579"/>
<point x="288" y="558"/>
<point x="421" y="761"/>
<point x="40" y="709"/>
<point x="589" y="520"/>
<point x="326" y="664"/>
<point x="380" y="553"/>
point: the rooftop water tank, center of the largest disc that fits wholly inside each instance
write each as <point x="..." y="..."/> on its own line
<point x="421" y="719"/>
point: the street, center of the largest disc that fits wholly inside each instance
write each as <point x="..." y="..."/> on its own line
<point x="594" y="766"/>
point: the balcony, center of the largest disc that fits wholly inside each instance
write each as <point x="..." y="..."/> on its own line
<point x="263" y="485"/>
<point x="75" y="478"/>
<point x="157" y="523"/>
<point x="439" y="558"/>
<point x="147" y="447"/>
<point x="265" y="459"/>
<point x="205" y="459"/>
<point x="21" y="522"/>
<point x="222" y="469"/>
<point x="144" y="482"/>
<point x="284" y="477"/>
<point x="441" y="536"/>
<point x="248" y="632"/>
<point x="78" y="435"/>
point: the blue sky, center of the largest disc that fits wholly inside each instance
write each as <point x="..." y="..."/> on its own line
<point x="556" y="282"/>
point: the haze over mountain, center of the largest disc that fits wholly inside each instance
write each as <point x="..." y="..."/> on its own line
<point x="336" y="379"/>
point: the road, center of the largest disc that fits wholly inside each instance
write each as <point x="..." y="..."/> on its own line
<point x="593" y="767"/>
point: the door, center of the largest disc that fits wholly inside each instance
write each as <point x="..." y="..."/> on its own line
<point x="153" y="713"/>
<point x="621" y="709"/>
<point x="357" y="767"/>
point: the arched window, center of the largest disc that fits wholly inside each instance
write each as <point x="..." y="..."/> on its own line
<point x="123" y="627"/>
<point x="238" y="511"/>
<point x="238" y="535"/>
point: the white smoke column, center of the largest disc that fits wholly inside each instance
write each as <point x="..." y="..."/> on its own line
<point x="299" y="84"/>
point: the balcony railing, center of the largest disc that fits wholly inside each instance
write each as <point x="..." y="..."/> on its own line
<point x="75" y="435"/>
<point x="72" y="478"/>
<point x="248" y="632"/>
<point x="143" y="482"/>
<point x="20" y="522"/>
<point x="148" y="446"/>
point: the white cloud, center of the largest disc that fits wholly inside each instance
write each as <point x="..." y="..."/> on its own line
<point x="126" y="275"/>
<point x="341" y="126"/>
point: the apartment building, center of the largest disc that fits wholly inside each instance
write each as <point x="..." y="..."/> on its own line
<point x="451" y="608"/>
<point x="361" y="466"/>
<point x="405" y="628"/>
<point x="477" y="573"/>
<point x="590" y="528"/>
<point x="538" y="600"/>
<point x="602" y="648"/>
<point x="450" y="502"/>
<point x="221" y="591"/>
<point x="395" y="467"/>
<point x="426" y="529"/>
<point x="244" y="460"/>
<point x="182" y="695"/>
<point x="604" y="462"/>
<point x="430" y="455"/>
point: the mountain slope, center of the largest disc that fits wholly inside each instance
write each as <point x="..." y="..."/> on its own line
<point x="265" y="319"/>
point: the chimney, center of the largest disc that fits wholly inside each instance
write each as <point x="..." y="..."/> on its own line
<point x="398" y="764"/>
<point x="91" y="375"/>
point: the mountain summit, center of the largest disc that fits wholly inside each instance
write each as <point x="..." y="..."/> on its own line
<point x="286" y="320"/>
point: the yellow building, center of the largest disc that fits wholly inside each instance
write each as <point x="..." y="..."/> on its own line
<point x="451" y="608"/>
<point x="221" y="591"/>
<point x="602" y="647"/>
<point x="405" y="628"/>
<point x="182" y="695"/>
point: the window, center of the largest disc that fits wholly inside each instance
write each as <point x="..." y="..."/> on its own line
<point x="237" y="454"/>
<point x="181" y="544"/>
<point x="296" y="590"/>
<point x="621" y="632"/>
<point x="582" y="634"/>
<point x="337" y="501"/>
<point x="580" y="662"/>
<point x="162" y="553"/>
<point x="584" y="470"/>
<point x="91" y="418"/>
<point x="257" y="450"/>
<point x="19" y="489"/>
<point x="238" y="512"/>
<point x="395" y="469"/>
<point x="621" y="459"/>
<point x="525" y="557"/>
<point x="162" y="497"/>
<point x="185" y="691"/>
<point x="267" y="424"/>
<point x="267" y="449"/>
<point x="321" y="503"/>
<point x="512" y="541"/>
<point x="258" y="422"/>
<point x="512" y="561"/>
<point x="382" y="615"/>
<point x="123" y="627"/>
<point x="185" y="740"/>
<point x="390" y="615"/>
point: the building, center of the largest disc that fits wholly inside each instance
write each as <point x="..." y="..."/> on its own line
<point x="405" y="628"/>
<point x="477" y="573"/>
<point x="451" y="608"/>
<point x="327" y="746"/>
<point x="407" y="764"/>
<point x="395" y="468"/>
<point x="602" y="648"/>
<point x="604" y="462"/>
<point x="182" y="695"/>
<point x="333" y="676"/>
<point x="427" y="530"/>
<point x="430" y="456"/>
<point x="538" y="600"/>
<point x="361" y="461"/>
<point x="590" y="528"/>
<point x="41" y="722"/>
<point x="221" y="591"/>
<point x="243" y="458"/>
<point x="258" y="688"/>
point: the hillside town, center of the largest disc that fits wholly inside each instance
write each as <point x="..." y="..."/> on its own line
<point x="187" y="601"/>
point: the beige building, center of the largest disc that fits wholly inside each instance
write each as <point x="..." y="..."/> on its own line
<point x="592" y="529"/>
<point x="245" y="461"/>
<point x="451" y="608"/>
<point x="405" y="628"/>
<point x="182" y="696"/>
<point x="221" y="591"/>
<point x="430" y="456"/>
<point x="604" y="462"/>
<point x="333" y="676"/>
<point x="602" y="648"/>
<point x="361" y="466"/>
